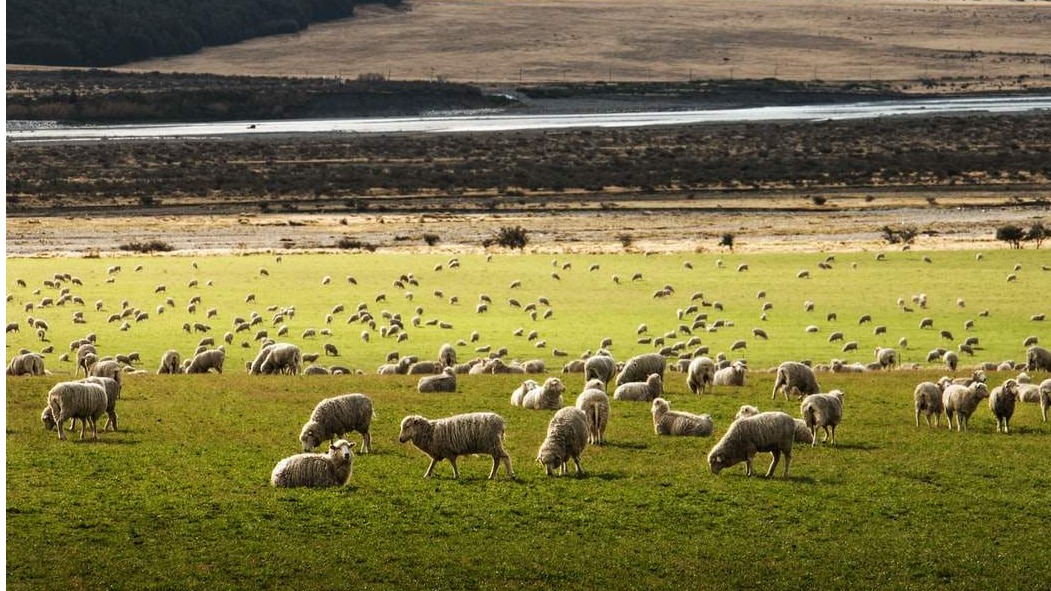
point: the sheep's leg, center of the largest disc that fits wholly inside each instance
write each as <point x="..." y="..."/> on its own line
<point x="833" y="434"/>
<point x="748" y="466"/>
<point x="507" y="464"/>
<point x="61" y="431"/>
<point x="83" y="426"/>
<point x="456" y="472"/>
<point x="430" y="469"/>
<point x="366" y="442"/>
<point x="94" y="429"/>
<point x="788" y="461"/>
<point x="580" y="471"/>
<point x="496" y="466"/>
<point x="773" y="464"/>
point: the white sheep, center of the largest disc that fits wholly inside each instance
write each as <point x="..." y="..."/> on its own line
<point x="825" y="411"/>
<point x="772" y="432"/>
<point x="519" y="393"/>
<point x="545" y="397"/>
<point x="443" y="382"/>
<point x="1037" y="358"/>
<point x="733" y="375"/>
<point x="1002" y="402"/>
<point x="171" y="362"/>
<point x="205" y="361"/>
<point x="641" y="391"/>
<point x="26" y="364"/>
<point x="600" y="367"/>
<point x="112" y="388"/>
<point x="674" y="422"/>
<point x="458" y="435"/>
<point x="797" y="378"/>
<point x="282" y="358"/>
<point x="700" y="375"/>
<point x="927" y="399"/>
<point x="961" y="401"/>
<point x="107" y="368"/>
<point x="567" y="436"/>
<point x="336" y="416"/>
<point x="886" y="357"/>
<point x="75" y="400"/>
<point x="1045" y="398"/>
<point x="638" y="368"/>
<point x="447" y="355"/>
<point x="316" y="470"/>
<point x="595" y="404"/>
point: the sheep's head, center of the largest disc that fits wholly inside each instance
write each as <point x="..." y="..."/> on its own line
<point x="746" y="411"/>
<point x="550" y="460"/>
<point x="1010" y="387"/>
<point x="48" y="419"/>
<point x="554" y="385"/>
<point x="717" y="462"/>
<point x="310" y="436"/>
<point x="978" y="376"/>
<point x="595" y="384"/>
<point x="980" y="389"/>
<point x="409" y="427"/>
<point x="342" y="449"/>
<point x="659" y="406"/>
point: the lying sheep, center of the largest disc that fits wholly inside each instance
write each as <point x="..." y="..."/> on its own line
<point x="75" y="400"/>
<point x="545" y="397"/>
<point x="458" y="435"/>
<point x="673" y="422"/>
<point x="640" y="391"/>
<point x="700" y="374"/>
<point x="335" y="417"/>
<point x="638" y="368"/>
<point x="567" y="436"/>
<point x="1002" y="402"/>
<point x="316" y="470"/>
<point x="825" y="411"/>
<point x="171" y="362"/>
<point x="426" y="368"/>
<point x="443" y="382"/>
<point x="734" y="375"/>
<point x="26" y="364"/>
<point x="519" y="393"/>
<point x="961" y="401"/>
<point x="796" y="378"/>
<point x="600" y="367"/>
<point x="772" y="432"/>
<point x="927" y="398"/>
<point x="205" y="361"/>
<point x="595" y="404"/>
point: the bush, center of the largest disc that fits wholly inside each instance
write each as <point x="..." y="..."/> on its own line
<point x="1037" y="233"/>
<point x="625" y="240"/>
<point x="147" y="246"/>
<point x="431" y="239"/>
<point x="904" y="235"/>
<point x="509" y="237"/>
<point x="728" y="241"/>
<point x="349" y="243"/>
<point x="1011" y="234"/>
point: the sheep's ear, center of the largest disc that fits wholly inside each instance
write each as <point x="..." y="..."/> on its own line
<point x="353" y="443"/>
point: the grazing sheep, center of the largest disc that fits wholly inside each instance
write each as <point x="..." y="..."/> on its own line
<point x="112" y="388"/>
<point x="961" y="401"/>
<point x="595" y="404"/>
<point x="825" y="411"/>
<point x="1030" y="341"/>
<point x="331" y="349"/>
<point x="458" y="435"/>
<point x="796" y="378"/>
<point x="772" y="432"/>
<point x="316" y="470"/>
<point x="567" y="436"/>
<point x="443" y="382"/>
<point x="546" y="397"/>
<point x="1045" y="398"/>
<point x="75" y="400"/>
<point x="206" y="361"/>
<point x="336" y="416"/>
<point x="26" y="364"/>
<point x="701" y="375"/>
<point x="886" y="357"/>
<point x="673" y="422"/>
<point x="638" y="368"/>
<point x="951" y="360"/>
<point x="519" y="393"/>
<point x="803" y="434"/>
<point x="447" y="355"/>
<point x="1002" y="402"/>
<point x="600" y="367"/>
<point x="927" y="398"/>
<point x="107" y="368"/>
<point x="734" y="375"/>
<point x="282" y="358"/>
<point x="1037" y="358"/>
<point x="641" y="391"/>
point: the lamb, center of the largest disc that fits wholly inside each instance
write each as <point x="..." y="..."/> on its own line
<point x="641" y="391"/>
<point x="519" y="394"/>
<point x="282" y="358"/>
<point x="1037" y="358"/>
<point x="733" y="375"/>
<point x="595" y="404"/>
<point x="316" y="470"/>
<point x="205" y="361"/>
<point x="886" y="357"/>
<point x="26" y="364"/>
<point x="443" y="382"/>
<point x="962" y="401"/>
<point x="546" y="397"/>
<point x="773" y="432"/>
<point x="700" y="375"/>
<point x="825" y="411"/>
<point x="600" y="367"/>
<point x="927" y="398"/>
<point x="638" y="368"/>
<point x="75" y="400"/>
<point x="447" y="355"/>
<point x="1002" y="402"/>
<point x="567" y="436"/>
<point x="796" y="378"/>
<point x="458" y="435"/>
<point x="673" y="422"/>
<point x="336" y="416"/>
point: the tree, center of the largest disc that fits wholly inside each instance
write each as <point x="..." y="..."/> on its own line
<point x="510" y="237"/>
<point x="727" y="241"/>
<point x="903" y="235"/>
<point x="1037" y="233"/>
<point x="1011" y="234"/>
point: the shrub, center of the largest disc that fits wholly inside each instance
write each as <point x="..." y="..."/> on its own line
<point x="147" y="246"/>
<point x="625" y="240"/>
<point x="728" y="241"/>
<point x="1011" y="234"/>
<point x="509" y="237"/>
<point x="1037" y="233"/>
<point x="904" y="235"/>
<point x="431" y="239"/>
<point x="350" y="243"/>
<point x="819" y="200"/>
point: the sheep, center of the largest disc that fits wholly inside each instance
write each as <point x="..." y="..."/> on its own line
<point x="447" y="355"/>
<point x="458" y="435"/>
<point x="803" y="434"/>
<point x="825" y="411"/>
<point x="700" y="374"/>
<point x="316" y="470"/>
<point x="1002" y="402"/>
<point x="673" y="422"/>
<point x="208" y="360"/>
<point x="961" y="401"/>
<point x="1037" y="358"/>
<point x="107" y="368"/>
<point x="426" y="367"/>
<point x="1045" y="398"/>
<point x="519" y="393"/>
<point x="595" y="404"/>
<point x="545" y="397"/>
<point x="75" y="400"/>
<point x="26" y="364"/>
<point x="773" y="432"/>
<point x="575" y="366"/>
<point x="951" y="359"/>
<point x="927" y="398"/>
<point x="112" y="388"/>
<point x="795" y="377"/>
<point x="641" y="391"/>
<point x="443" y="382"/>
<point x="638" y="368"/>
<point x="886" y="357"/>
<point x="600" y="367"/>
<point x="734" y="375"/>
<point x="336" y="416"/>
<point x="567" y="436"/>
<point x="331" y="349"/>
<point x="282" y="358"/>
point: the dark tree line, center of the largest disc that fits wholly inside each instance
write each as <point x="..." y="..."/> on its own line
<point x="103" y="33"/>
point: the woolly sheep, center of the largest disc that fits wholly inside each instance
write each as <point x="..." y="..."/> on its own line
<point x="772" y="432"/>
<point x="458" y="435"/>
<point x="282" y="358"/>
<point x="107" y="368"/>
<point x="1045" y="398"/>
<point x="443" y="382"/>
<point x="519" y="393"/>
<point x="1037" y="358"/>
<point x="641" y="391"/>
<point x="447" y="355"/>
<point x="600" y="367"/>
<point x="1002" y="402"/>
<point x="75" y="400"/>
<point x="638" y="368"/>
<point x="673" y="422"/>
<point x="700" y="375"/>
<point x="595" y="404"/>
<point x="927" y="399"/>
<point x="961" y="401"/>
<point x="886" y="357"/>
<point x="795" y="377"/>
<point x="734" y="375"/>
<point x="825" y="411"/>
<point x="335" y="417"/>
<point x="207" y="360"/>
<point x="545" y="397"/>
<point x="316" y="470"/>
<point x="26" y="364"/>
<point x="426" y="367"/>
<point x="951" y="359"/>
<point x="567" y="436"/>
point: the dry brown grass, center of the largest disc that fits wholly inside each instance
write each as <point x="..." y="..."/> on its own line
<point x="982" y="43"/>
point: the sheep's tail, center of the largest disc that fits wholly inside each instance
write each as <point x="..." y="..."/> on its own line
<point x="778" y="382"/>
